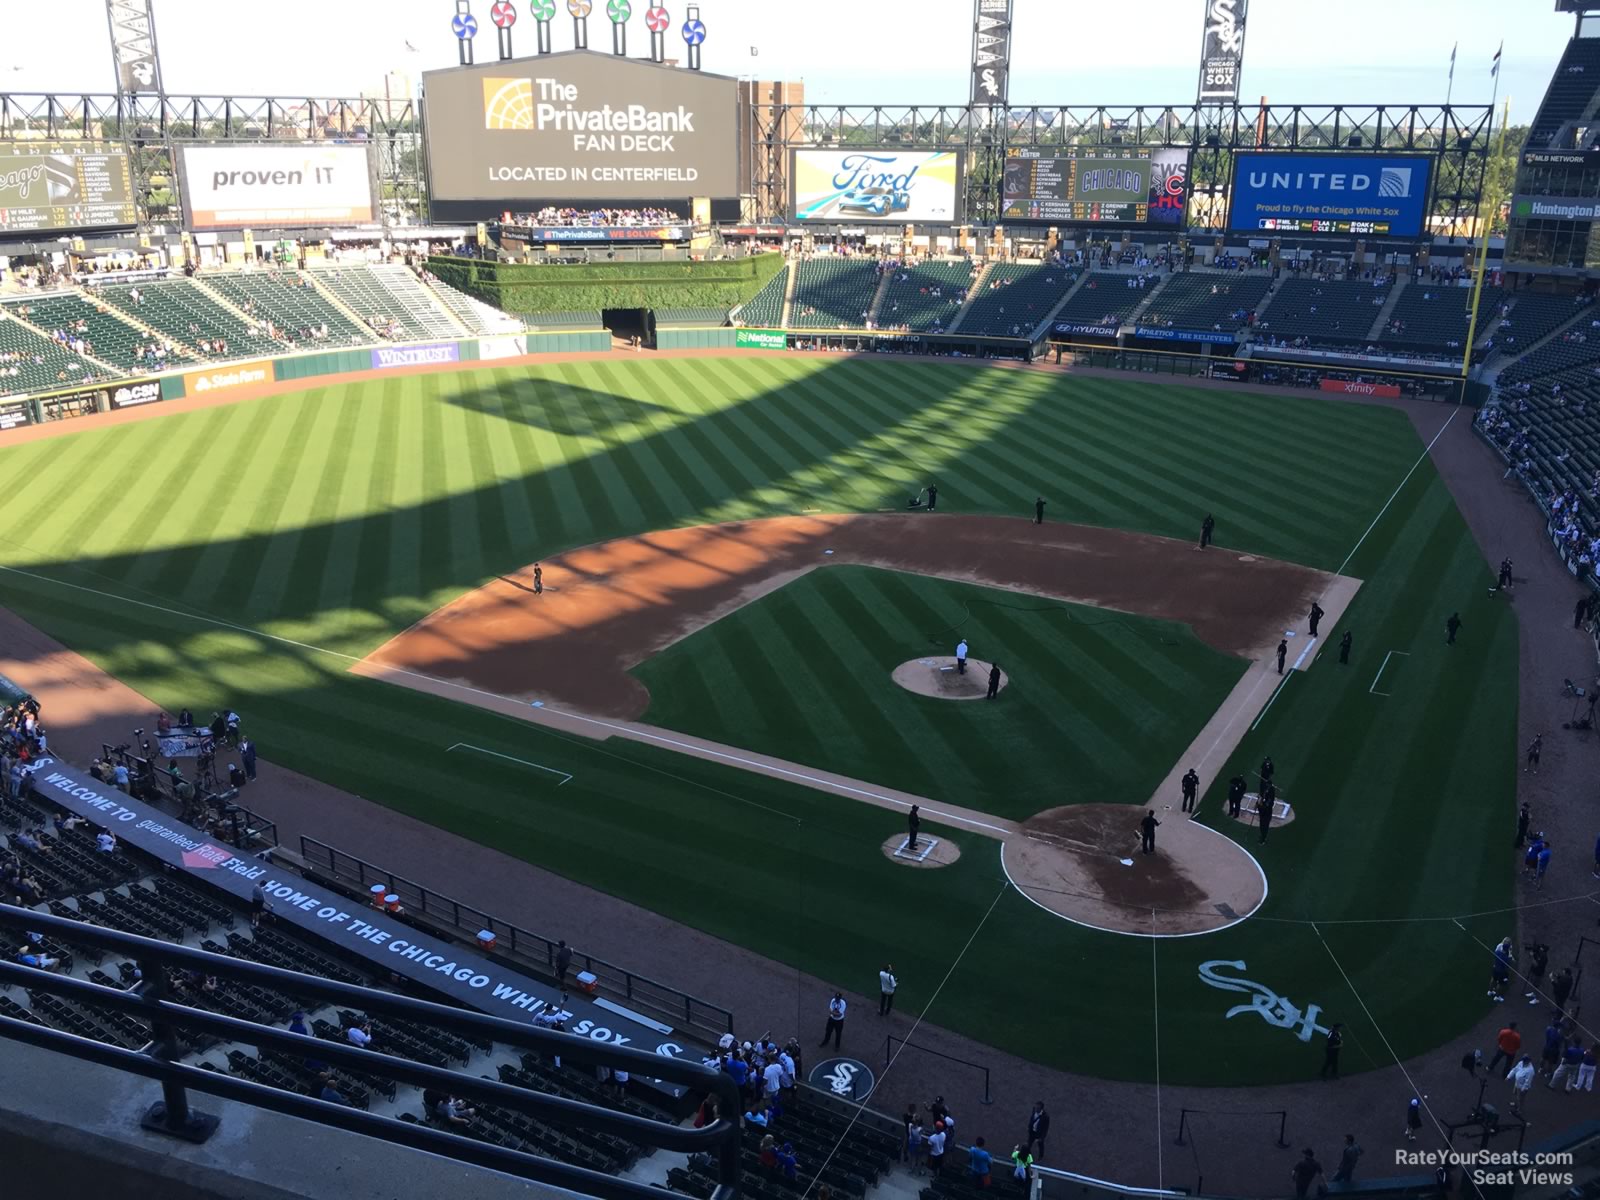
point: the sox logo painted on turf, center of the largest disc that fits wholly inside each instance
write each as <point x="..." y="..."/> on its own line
<point x="1272" y="1008"/>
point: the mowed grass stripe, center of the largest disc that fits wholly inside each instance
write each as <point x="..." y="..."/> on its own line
<point x="169" y="571"/>
<point x="760" y="459"/>
<point x="371" y="559"/>
<point x="738" y="479"/>
<point x="494" y="532"/>
<point x="658" y="489"/>
<point x="73" y="478"/>
<point x="632" y="491"/>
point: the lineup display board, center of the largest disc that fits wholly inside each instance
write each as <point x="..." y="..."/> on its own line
<point x="271" y="187"/>
<point x="579" y="125"/>
<point x="64" y="186"/>
<point x="876" y="185"/>
<point x="1086" y="184"/>
<point x="1353" y="194"/>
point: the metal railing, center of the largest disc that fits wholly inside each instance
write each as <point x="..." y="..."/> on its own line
<point x="888" y="1057"/>
<point x="248" y="831"/>
<point x="174" y="1116"/>
<point x="513" y="944"/>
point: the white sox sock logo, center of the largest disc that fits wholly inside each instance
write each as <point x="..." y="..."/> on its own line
<point x="1272" y="1008"/>
<point x="840" y="1078"/>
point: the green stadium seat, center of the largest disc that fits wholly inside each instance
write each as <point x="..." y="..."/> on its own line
<point x="764" y="310"/>
<point x="294" y="307"/>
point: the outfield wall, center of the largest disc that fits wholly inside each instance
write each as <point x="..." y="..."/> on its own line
<point x="205" y="379"/>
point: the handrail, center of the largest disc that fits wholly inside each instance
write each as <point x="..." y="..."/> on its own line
<point x="1121" y="1189"/>
<point x="516" y="944"/>
<point x="888" y="1061"/>
<point x="174" y="1116"/>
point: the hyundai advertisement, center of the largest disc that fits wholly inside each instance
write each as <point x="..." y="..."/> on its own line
<point x="876" y="185"/>
<point x="1360" y="194"/>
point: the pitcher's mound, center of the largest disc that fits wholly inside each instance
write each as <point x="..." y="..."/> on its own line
<point x="1083" y="862"/>
<point x="937" y="676"/>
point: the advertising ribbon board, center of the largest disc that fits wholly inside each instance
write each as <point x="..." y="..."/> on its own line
<point x="222" y="378"/>
<point x="759" y="339"/>
<point x="876" y="185"/>
<point x="1162" y="334"/>
<point x="464" y="975"/>
<point x="1352" y="387"/>
<point x="133" y="394"/>
<point x="387" y="357"/>
<point x="231" y="187"/>
<point x="1559" y="208"/>
<point x="603" y="233"/>
<point x="1073" y="328"/>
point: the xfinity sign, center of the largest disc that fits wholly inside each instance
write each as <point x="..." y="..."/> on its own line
<point x="1391" y="190"/>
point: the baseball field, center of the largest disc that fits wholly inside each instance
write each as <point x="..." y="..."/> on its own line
<point x="311" y="558"/>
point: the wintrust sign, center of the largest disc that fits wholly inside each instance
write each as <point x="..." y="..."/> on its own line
<point x="386" y="357"/>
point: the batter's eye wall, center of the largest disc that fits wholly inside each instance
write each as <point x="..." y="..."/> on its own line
<point x="579" y="126"/>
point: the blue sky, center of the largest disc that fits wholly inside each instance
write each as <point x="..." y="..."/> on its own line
<point x="849" y="51"/>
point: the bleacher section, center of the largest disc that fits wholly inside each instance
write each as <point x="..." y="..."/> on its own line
<point x="1435" y="317"/>
<point x="863" y="1156"/>
<point x="1332" y="312"/>
<point x="1533" y="317"/>
<point x="702" y="317"/>
<point x="834" y="293"/>
<point x="1572" y="87"/>
<point x="389" y="297"/>
<point x="295" y="308"/>
<point x="764" y="310"/>
<point x="925" y="297"/>
<point x="1104" y="299"/>
<point x="580" y="319"/>
<point x="1015" y="297"/>
<point x="1206" y="300"/>
<point x="111" y="339"/>
<point x="187" y="316"/>
<point x="1565" y="360"/>
<point x="30" y="363"/>
<point x="478" y="317"/>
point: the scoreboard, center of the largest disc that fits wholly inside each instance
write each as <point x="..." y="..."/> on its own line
<point x="1077" y="184"/>
<point x="53" y="186"/>
<point x="1317" y="225"/>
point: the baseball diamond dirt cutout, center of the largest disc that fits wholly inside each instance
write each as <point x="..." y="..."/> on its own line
<point x="562" y="658"/>
<point x="940" y="677"/>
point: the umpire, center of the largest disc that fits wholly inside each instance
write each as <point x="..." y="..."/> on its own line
<point x="1147" y="831"/>
<point x="1236" y="787"/>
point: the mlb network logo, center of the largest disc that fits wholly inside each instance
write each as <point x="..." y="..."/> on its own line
<point x="1395" y="182"/>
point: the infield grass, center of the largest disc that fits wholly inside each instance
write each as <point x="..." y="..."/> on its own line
<point x="339" y="515"/>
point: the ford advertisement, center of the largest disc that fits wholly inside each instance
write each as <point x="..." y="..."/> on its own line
<point x="876" y="185"/>
<point x="1358" y="194"/>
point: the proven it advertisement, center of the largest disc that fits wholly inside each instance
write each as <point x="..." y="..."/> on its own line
<point x="1317" y="192"/>
<point x="231" y="187"/>
<point x="876" y="185"/>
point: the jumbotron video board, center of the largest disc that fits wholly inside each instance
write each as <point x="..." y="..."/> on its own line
<point x="57" y="186"/>
<point x="1091" y="185"/>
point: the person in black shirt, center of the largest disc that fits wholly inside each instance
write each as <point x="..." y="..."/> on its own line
<point x="933" y="496"/>
<point x="913" y="823"/>
<point x="1305" y="1173"/>
<point x="1207" y="527"/>
<point x="1523" y="818"/>
<point x="1315" y="615"/>
<point x="1344" y="647"/>
<point x="1236" y="787"/>
<point x="1038" y="511"/>
<point x="1283" y="652"/>
<point x="1191" y="790"/>
<point x="1453" y="624"/>
<point x="1147" y="829"/>
<point x="1330" y="1052"/>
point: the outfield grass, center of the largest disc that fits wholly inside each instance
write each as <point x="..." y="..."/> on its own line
<point x="1097" y="709"/>
<point x="339" y="515"/>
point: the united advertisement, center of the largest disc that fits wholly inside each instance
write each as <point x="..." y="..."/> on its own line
<point x="232" y="187"/>
<point x="576" y="126"/>
<point x="876" y="185"/>
<point x="1330" y="193"/>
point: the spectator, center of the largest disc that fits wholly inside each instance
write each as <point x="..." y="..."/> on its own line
<point x="1021" y="1165"/>
<point x="1305" y="1173"/>
<point x="329" y="1093"/>
<point x="1038" y="1128"/>
<point x="936" y="1141"/>
<point x="1521" y="1077"/>
<point x="979" y="1163"/>
<point x="563" y="962"/>
<point x="105" y="843"/>
<point x="359" y="1035"/>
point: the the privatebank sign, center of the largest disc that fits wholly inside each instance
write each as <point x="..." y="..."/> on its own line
<point x="580" y="125"/>
<point x="387" y="357"/>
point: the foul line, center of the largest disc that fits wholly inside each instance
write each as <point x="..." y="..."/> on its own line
<point x="1155" y="1024"/>
<point x="861" y="1106"/>
<point x="636" y="734"/>
<point x="565" y="777"/>
<point x="1378" y="1029"/>
<point x="706" y="751"/>
<point x="1373" y="690"/>
<point x="1282" y="683"/>
<point x="1425" y="452"/>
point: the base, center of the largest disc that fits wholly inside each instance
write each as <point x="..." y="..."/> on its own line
<point x="198" y="1129"/>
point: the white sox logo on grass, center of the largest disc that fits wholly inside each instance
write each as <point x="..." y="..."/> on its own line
<point x="1272" y="1008"/>
<point x="843" y="1077"/>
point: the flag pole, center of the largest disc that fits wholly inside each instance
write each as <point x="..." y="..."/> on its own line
<point x="1483" y="241"/>
<point x="1450" y="83"/>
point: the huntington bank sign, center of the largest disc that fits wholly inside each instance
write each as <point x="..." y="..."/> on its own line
<point x="580" y="126"/>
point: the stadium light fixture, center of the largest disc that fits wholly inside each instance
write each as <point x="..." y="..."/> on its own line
<point x="694" y="34"/>
<point x="580" y="10"/>
<point x="544" y="11"/>
<point x="656" y="20"/>
<point x="504" y="15"/>
<point x="465" y="26"/>
<point x="619" y="11"/>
